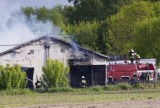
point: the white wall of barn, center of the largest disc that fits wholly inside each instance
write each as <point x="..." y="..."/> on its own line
<point x="29" y="56"/>
<point x="34" y="55"/>
<point x="59" y="52"/>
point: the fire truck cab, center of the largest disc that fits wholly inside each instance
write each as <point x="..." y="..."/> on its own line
<point x="127" y="72"/>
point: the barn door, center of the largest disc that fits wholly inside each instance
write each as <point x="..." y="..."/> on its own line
<point x="94" y="74"/>
<point x="77" y="71"/>
<point x="29" y="76"/>
<point x="99" y="75"/>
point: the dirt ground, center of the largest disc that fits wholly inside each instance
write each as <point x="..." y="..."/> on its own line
<point x="149" y="103"/>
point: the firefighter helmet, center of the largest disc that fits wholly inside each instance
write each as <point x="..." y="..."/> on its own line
<point x="131" y="50"/>
<point x="82" y="77"/>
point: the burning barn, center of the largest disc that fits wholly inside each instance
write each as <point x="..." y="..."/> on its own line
<point x="32" y="57"/>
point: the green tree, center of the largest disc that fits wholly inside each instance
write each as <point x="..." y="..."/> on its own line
<point x="105" y="39"/>
<point x="148" y="38"/>
<point x="69" y="13"/>
<point x="123" y="23"/>
<point x="28" y="11"/>
<point x="88" y="10"/>
<point x="85" y="34"/>
<point x="56" y="17"/>
<point x="42" y="13"/>
<point x="152" y="0"/>
<point x="55" y="74"/>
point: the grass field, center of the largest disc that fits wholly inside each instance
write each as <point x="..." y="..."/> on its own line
<point x="75" y="97"/>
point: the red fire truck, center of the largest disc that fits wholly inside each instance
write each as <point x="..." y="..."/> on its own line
<point x="127" y="72"/>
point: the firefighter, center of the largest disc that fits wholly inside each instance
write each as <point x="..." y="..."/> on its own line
<point x="38" y="83"/>
<point x="131" y="55"/>
<point x="134" y="81"/>
<point x="83" y="82"/>
<point x="143" y="77"/>
<point x="137" y="57"/>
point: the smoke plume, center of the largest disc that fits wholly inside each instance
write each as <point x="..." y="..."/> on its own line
<point x="16" y="28"/>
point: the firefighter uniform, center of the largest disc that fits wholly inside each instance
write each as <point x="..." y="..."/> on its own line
<point x="131" y="55"/>
<point x="83" y="82"/>
<point x="38" y="84"/>
<point x="137" y="57"/>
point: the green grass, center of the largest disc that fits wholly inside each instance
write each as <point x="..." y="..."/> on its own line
<point x="56" y="96"/>
<point x="15" y="92"/>
<point x="79" y="97"/>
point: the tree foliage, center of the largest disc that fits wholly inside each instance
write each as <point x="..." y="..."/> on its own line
<point x="28" y="11"/>
<point x="147" y="43"/>
<point x="89" y="10"/>
<point x="55" y="74"/>
<point x="85" y="34"/>
<point x="123" y="23"/>
<point x="43" y="14"/>
<point x="137" y="26"/>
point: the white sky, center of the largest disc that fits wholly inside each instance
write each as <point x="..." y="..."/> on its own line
<point x="16" y="29"/>
<point x="39" y="3"/>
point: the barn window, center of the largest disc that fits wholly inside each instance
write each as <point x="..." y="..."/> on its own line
<point x="31" y="51"/>
<point x="63" y="50"/>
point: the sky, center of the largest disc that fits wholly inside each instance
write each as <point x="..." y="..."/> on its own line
<point x="16" y="28"/>
<point x="39" y="3"/>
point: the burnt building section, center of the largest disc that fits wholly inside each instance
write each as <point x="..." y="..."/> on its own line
<point x="94" y="75"/>
<point x="82" y="56"/>
<point x="89" y="65"/>
<point x="82" y="65"/>
<point x="79" y="59"/>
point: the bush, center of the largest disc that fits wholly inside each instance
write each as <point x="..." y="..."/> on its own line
<point x="12" y="77"/>
<point x="55" y="74"/>
<point x="137" y="86"/>
<point x="96" y="89"/>
<point x="124" y="86"/>
<point x="150" y="97"/>
<point x="110" y="87"/>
